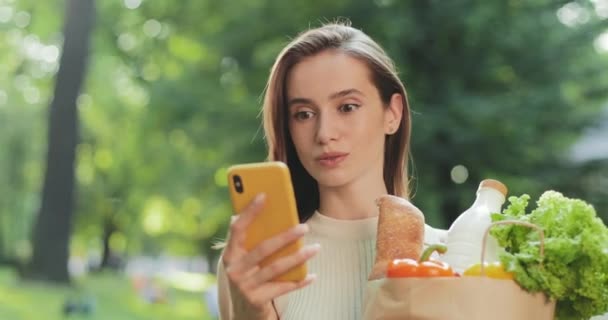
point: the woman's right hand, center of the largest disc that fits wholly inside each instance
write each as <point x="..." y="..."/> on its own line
<point x="251" y="287"/>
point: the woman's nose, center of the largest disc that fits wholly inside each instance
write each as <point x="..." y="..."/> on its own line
<point x="327" y="129"/>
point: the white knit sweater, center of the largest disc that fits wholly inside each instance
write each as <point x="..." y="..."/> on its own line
<point x="347" y="254"/>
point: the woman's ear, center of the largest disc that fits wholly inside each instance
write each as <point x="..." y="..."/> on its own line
<point x="393" y="114"/>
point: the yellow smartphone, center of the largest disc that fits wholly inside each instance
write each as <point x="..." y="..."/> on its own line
<point x="279" y="213"/>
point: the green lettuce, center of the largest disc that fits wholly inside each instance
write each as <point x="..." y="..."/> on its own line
<point x="574" y="270"/>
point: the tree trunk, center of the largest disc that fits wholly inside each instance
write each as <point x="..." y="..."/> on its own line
<point x="108" y="229"/>
<point x="53" y="226"/>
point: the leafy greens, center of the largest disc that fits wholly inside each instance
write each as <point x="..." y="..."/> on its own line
<point x="574" y="270"/>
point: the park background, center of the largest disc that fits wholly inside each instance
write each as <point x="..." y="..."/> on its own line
<point x="118" y="119"/>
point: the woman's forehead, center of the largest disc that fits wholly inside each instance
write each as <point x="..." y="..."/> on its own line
<point x="327" y="73"/>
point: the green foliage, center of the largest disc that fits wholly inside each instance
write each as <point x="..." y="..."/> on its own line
<point x="25" y="84"/>
<point x="173" y="94"/>
<point x="503" y="88"/>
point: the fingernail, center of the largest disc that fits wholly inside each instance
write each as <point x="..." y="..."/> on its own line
<point x="311" y="277"/>
<point x="302" y="228"/>
<point x="259" y="198"/>
<point x="313" y="248"/>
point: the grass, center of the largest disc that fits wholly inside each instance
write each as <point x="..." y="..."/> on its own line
<point x="112" y="295"/>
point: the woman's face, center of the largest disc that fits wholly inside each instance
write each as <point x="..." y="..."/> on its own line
<point x="337" y="120"/>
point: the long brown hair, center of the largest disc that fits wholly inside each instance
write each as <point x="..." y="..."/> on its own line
<point x="337" y="36"/>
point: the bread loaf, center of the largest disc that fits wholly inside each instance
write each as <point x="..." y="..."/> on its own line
<point x="400" y="233"/>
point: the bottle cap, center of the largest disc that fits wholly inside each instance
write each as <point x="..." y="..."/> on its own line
<point x="494" y="184"/>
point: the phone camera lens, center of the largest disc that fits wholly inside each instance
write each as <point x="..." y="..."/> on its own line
<point x="238" y="183"/>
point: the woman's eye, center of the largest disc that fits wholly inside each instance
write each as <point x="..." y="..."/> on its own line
<point x="348" y="107"/>
<point x="303" y="115"/>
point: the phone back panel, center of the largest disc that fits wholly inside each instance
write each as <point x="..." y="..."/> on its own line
<point x="278" y="214"/>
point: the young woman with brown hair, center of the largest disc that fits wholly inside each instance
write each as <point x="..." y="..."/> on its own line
<point x="337" y="114"/>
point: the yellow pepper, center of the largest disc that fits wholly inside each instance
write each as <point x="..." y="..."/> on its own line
<point x="493" y="270"/>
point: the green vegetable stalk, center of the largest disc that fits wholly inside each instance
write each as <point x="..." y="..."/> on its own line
<point x="574" y="270"/>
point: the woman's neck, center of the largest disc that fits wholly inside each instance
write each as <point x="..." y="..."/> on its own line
<point x="352" y="201"/>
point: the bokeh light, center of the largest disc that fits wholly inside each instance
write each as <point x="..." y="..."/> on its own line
<point x="459" y="174"/>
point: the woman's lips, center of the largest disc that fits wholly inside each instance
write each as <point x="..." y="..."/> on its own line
<point x="331" y="159"/>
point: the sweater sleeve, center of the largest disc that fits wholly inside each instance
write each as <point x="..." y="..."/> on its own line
<point x="223" y="288"/>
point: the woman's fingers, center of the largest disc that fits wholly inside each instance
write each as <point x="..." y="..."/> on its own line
<point x="266" y="248"/>
<point x="272" y="290"/>
<point x="253" y="283"/>
<point x="280" y="266"/>
<point x="238" y="227"/>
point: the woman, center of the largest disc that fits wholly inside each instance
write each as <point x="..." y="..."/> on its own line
<point x="336" y="112"/>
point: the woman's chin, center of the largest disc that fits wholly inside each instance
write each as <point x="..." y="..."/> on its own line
<point x="331" y="181"/>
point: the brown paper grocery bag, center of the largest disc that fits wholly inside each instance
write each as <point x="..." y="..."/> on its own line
<point x="465" y="298"/>
<point x="457" y="298"/>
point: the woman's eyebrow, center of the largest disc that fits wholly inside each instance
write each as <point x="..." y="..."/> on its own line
<point x="333" y="96"/>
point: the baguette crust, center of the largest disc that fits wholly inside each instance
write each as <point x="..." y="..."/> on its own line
<point x="400" y="233"/>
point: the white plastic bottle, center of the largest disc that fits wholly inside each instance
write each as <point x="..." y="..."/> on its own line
<point x="465" y="235"/>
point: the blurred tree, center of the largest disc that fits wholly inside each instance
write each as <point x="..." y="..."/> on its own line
<point x="489" y="83"/>
<point x="53" y="226"/>
<point x="498" y="89"/>
<point x="172" y="97"/>
<point x="501" y="88"/>
<point x="589" y="181"/>
<point x="23" y="84"/>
